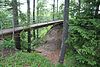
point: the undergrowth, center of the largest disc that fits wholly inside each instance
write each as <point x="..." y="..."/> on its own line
<point x="22" y="59"/>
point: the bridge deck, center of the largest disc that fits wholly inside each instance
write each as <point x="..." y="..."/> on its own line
<point x="33" y="26"/>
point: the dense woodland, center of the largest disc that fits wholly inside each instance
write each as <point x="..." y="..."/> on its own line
<point x="80" y="38"/>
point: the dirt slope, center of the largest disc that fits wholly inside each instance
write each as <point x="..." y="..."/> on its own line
<point x="51" y="46"/>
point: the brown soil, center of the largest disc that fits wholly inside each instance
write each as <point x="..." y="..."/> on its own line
<point x="6" y="52"/>
<point x="53" y="56"/>
<point x="50" y="48"/>
<point x="52" y="44"/>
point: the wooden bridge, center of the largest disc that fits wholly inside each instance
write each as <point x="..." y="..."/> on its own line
<point x="10" y="31"/>
<point x="16" y="32"/>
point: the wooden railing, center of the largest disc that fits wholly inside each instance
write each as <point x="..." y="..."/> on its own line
<point x="16" y="32"/>
<point x="5" y="32"/>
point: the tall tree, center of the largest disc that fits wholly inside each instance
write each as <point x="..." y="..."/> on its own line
<point x="65" y="32"/>
<point x="16" y="23"/>
<point x="97" y="9"/>
<point x="79" y="2"/>
<point x="57" y="14"/>
<point x="29" y="31"/>
<point x="57" y="5"/>
<point x="37" y="31"/>
<point x="53" y="10"/>
<point x="34" y="17"/>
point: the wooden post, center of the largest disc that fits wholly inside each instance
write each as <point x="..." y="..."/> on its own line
<point x="17" y="40"/>
<point x="29" y="31"/>
<point x="65" y="32"/>
<point x="29" y="41"/>
<point x="16" y="24"/>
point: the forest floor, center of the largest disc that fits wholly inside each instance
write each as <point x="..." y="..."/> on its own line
<point x="53" y="56"/>
<point x="6" y="52"/>
<point x="15" y="58"/>
<point x="52" y="43"/>
<point x="46" y="54"/>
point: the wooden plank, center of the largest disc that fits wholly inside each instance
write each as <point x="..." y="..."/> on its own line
<point x="19" y="29"/>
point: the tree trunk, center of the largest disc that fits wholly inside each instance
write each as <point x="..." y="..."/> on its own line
<point x="29" y="31"/>
<point x="53" y="10"/>
<point x="65" y="32"/>
<point x="97" y="9"/>
<point x="79" y="6"/>
<point x="57" y="10"/>
<point x="34" y="17"/>
<point x="16" y="24"/>
<point x="57" y="6"/>
<point x="37" y="20"/>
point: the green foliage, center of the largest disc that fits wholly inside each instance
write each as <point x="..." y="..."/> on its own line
<point x="24" y="43"/>
<point x="60" y="12"/>
<point x="84" y="42"/>
<point x="21" y="59"/>
<point x="22" y="19"/>
<point x="84" y="37"/>
<point x="5" y="19"/>
<point x="42" y="11"/>
<point x="42" y="33"/>
<point x="7" y="43"/>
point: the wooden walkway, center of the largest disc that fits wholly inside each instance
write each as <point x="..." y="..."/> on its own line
<point x="33" y="26"/>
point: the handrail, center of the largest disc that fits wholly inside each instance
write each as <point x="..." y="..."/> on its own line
<point x="19" y="29"/>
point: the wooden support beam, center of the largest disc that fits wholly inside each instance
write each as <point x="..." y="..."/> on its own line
<point x="29" y="41"/>
<point x="17" y="41"/>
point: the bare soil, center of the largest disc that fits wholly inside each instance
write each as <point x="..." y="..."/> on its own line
<point x="53" y="56"/>
<point x="6" y="52"/>
<point x="52" y="44"/>
<point x="50" y="48"/>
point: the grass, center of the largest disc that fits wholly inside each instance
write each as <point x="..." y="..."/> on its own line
<point x="22" y="59"/>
